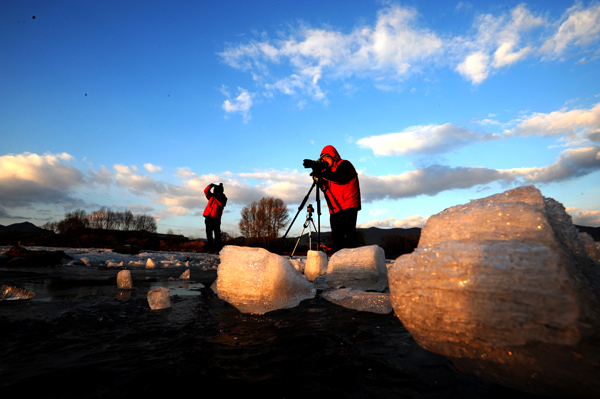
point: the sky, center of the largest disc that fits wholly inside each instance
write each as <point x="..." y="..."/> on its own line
<point x="140" y="105"/>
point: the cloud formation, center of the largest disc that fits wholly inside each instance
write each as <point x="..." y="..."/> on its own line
<point x="576" y="127"/>
<point x="431" y="139"/>
<point x="28" y="179"/>
<point x="398" y="45"/>
<point x="240" y="104"/>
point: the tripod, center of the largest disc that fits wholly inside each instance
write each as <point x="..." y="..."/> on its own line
<point x="308" y="218"/>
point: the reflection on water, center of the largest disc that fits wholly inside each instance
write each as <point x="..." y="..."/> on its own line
<point x="53" y="288"/>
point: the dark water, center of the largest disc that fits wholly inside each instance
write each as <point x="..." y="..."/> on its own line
<point x="81" y="337"/>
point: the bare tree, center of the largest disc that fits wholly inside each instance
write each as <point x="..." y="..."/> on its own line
<point x="127" y="220"/>
<point x="73" y="222"/>
<point x="146" y="223"/>
<point x="261" y="221"/>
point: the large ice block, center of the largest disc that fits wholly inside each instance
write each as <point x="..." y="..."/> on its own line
<point x="360" y="268"/>
<point x="507" y="288"/>
<point x="257" y="281"/>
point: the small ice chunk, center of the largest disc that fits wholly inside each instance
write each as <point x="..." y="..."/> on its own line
<point x="114" y="264"/>
<point x="316" y="264"/>
<point x="124" y="281"/>
<point x="133" y="263"/>
<point x="159" y="298"/>
<point x="257" y="281"/>
<point x="363" y="301"/>
<point x="185" y="275"/>
<point x="11" y="293"/>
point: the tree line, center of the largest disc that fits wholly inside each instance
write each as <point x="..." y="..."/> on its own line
<point x="102" y="219"/>
<point x="260" y="224"/>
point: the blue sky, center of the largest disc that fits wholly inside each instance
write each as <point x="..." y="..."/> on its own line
<point x="140" y="104"/>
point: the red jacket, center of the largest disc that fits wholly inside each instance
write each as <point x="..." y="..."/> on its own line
<point x="216" y="203"/>
<point x="340" y="186"/>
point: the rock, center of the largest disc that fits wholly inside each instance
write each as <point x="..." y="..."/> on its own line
<point x="257" y="281"/>
<point x="35" y="258"/>
<point x="127" y="249"/>
<point x="124" y="281"/>
<point x="360" y="268"/>
<point x="506" y="287"/>
<point x="159" y="298"/>
<point x="374" y="302"/>
<point x="316" y="264"/>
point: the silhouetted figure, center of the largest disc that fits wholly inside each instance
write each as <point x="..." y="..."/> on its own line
<point x="212" y="215"/>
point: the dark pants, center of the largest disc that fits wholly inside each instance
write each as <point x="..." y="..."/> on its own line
<point x="213" y="226"/>
<point x="343" y="229"/>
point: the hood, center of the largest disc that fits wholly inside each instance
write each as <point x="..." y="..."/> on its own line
<point x="331" y="151"/>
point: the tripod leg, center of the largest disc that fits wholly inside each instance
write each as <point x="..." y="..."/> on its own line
<point x="296" y="246"/>
<point x="318" y="219"/>
<point x="297" y="213"/>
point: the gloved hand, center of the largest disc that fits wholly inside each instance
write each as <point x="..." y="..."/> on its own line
<point x="317" y="174"/>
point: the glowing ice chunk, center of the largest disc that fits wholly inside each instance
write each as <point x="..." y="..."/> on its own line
<point x="257" y="281"/>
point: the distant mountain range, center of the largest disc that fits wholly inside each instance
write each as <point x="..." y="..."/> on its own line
<point x="25" y="227"/>
<point x="592" y="231"/>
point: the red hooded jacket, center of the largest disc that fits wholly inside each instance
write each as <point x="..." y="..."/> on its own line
<point x="340" y="186"/>
<point x="216" y="203"/>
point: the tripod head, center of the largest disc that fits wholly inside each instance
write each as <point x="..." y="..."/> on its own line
<point x="310" y="211"/>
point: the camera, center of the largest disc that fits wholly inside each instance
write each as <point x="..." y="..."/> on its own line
<point x="310" y="208"/>
<point x="316" y="166"/>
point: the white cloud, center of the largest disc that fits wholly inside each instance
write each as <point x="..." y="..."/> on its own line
<point x="475" y="67"/>
<point x="579" y="27"/>
<point x="497" y="43"/>
<point x="429" y="139"/>
<point x="585" y="218"/>
<point x="31" y="178"/>
<point x="241" y="104"/>
<point x="395" y="47"/>
<point x="152" y="168"/>
<point x="398" y="46"/>
<point x="431" y="180"/>
<point x="406" y="223"/>
<point x="572" y="163"/>
<point x="576" y="125"/>
<point x="127" y="177"/>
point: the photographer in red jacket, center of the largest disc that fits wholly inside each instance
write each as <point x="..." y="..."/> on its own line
<point x="212" y="214"/>
<point x="338" y="180"/>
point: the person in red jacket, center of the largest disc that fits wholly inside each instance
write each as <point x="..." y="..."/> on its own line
<point x="212" y="214"/>
<point x="338" y="180"/>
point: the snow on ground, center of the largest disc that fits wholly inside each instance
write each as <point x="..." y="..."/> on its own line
<point x="145" y="259"/>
